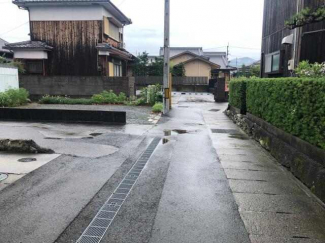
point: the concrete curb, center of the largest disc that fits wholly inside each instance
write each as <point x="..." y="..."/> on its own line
<point x="57" y="115"/>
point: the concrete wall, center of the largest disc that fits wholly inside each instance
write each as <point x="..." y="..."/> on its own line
<point x="8" y="78"/>
<point x="75" y="86"/>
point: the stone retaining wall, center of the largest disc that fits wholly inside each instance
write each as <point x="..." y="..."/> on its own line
<point x="75" y="86"/>
<point x="305" y="161"/>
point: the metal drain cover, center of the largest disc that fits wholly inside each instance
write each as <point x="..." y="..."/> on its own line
<point x="95" y="134"/>
<point x="3" y="177"/>
<point x="214" y="110"/>
<point x="27" y="160"/>
<point x="227" y="131"/>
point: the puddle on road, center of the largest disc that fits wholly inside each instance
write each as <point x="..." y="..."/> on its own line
<point x="239" y="136"/>
<point x="95" y="134"/>
<point x="27" y="160"/>
<point x="193" y="124"/>
<point x="3" y="177"/>
<point x="165" y="140"/>
<point x="179" y="131"/>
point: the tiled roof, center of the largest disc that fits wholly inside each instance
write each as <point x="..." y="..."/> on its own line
<point x="174" y="51"/>
<point x="114" y="51"/>
<point x="28" y="45"/>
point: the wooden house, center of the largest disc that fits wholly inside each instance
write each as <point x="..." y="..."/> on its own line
<point x="73" y="38"/>
<point x="283" y="48"/>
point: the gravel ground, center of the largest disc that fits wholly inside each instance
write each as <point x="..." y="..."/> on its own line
<point x="134" y="114"/>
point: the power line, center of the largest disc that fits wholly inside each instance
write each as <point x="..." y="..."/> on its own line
<point x="248" y="48"/>
<point x="220" y="47"/>
<point x="14" y="28"/>
<point x="121" y="3"/>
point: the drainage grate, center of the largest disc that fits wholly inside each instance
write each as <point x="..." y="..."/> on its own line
<point x="214" y="110"/>
<point x="228" y="131"/>
<point x="27" y="160"/>
<point x="100" y="224"/>
<point x="3" y="177"/>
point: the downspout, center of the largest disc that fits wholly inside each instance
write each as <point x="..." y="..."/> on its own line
<point x="30" y="25"/>
<point x="297" y="34"/>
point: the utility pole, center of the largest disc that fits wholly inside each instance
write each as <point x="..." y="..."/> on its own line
<point x="228" y="52"/>
<point x="166" y="58"/>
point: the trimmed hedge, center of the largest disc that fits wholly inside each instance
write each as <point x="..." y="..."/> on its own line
<point x="237" y="94"/>
<point x="295" y="105"/>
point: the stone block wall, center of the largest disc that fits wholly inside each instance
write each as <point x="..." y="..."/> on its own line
<point x="75" y="86"/>
<point x="304" y="160"/>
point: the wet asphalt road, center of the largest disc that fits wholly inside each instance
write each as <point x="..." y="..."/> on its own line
<point x="198" y="187"/>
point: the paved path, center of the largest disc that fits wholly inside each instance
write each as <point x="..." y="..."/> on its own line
<point x="204" y="185"/>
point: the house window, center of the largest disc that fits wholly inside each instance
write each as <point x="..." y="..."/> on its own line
<point x="276" y="63"/>
<point x="117" y="68"/>
<point x="111" y="30"/>
<point x="272" y="62"/>
<point x="34" y="67"/>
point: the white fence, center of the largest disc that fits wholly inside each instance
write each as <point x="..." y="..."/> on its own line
<point x="8" y="78"/>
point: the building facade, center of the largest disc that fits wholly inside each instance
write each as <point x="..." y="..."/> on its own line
<point x="198" y="63"/>
<point x="8" y="55"/>
<point x="73" y="38"/>
<point x="283" y="48"/>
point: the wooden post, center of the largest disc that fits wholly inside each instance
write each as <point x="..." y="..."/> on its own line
<point x="166" y="58"/>
<point x="170" y="90"/>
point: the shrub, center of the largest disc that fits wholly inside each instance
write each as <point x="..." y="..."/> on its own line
<point x="13" y="97"/>
<point x="294" y="105"/>
<point x="106" y="97"/>
<point x="308" y="70"/>
<point x="152" y="94"/>
<point x="158" y="107"/>
<point x="64" y="101"/>
<point x="109" y="97"/>
<point x="237" y="95"/>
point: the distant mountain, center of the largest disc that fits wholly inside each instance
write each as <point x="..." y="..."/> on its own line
<point x="242" y="61"/>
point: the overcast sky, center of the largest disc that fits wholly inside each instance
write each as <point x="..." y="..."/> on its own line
<point x="210" y="24"/>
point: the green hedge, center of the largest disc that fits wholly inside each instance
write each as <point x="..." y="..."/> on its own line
<point x="237" y="94"/>
<point x="294" y="105"/>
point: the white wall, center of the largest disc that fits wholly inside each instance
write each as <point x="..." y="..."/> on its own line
<point x="18" y="54"/>
<point x="68" y="13"/>
<point x="8" y="78"/>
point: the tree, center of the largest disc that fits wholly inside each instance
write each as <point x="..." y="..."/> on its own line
<point x="156" y="68"/>
<point x="178" y="70"/>
<point x="141" y="64"/>
<point x="16" y="64"/>
<point x="255" y="71"/>
<point x="306" y="16"/>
